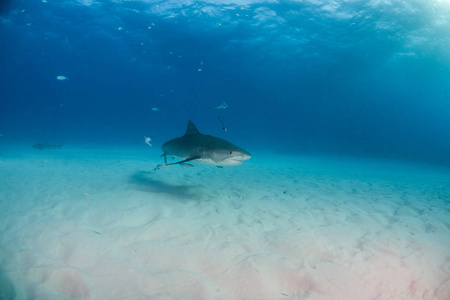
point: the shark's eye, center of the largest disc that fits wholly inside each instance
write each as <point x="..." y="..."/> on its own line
<point x="231" y="152"/>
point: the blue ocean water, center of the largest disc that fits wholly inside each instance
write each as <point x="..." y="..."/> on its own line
<point x="357" y="78"/>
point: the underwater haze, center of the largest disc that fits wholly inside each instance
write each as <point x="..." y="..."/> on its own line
<point x="225" y="149"/>
<point x="366" y="78"/>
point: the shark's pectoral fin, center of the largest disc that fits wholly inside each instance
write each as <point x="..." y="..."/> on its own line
<point x="165" y="158"/>
<point x="186" y="160"/>
<point x="165" y="165"/>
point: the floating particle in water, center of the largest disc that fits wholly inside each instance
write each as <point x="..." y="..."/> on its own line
<point x="201" y="63"/>
<point x="170" y="52"/>
<point x="155" y="109"/>
<point x="199" y="70"/>
<point x="149" y="27"/>
<point x="120" y="28"/>
<point x="60" y="77"/>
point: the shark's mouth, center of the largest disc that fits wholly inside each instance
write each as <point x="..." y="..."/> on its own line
<point x="233" y="162"/>
<point x="236" y="161"/>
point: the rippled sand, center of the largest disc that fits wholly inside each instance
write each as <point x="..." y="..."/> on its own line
<point x="101" y="224"/>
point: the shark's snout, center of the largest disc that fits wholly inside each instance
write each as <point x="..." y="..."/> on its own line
<point x="241" y="156"/>
<point x="246" y="156"/>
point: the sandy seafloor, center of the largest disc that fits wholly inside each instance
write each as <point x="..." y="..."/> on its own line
<point x="101" y="224"/>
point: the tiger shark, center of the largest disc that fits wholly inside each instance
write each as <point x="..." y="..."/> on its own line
<point x="204" y="149"/>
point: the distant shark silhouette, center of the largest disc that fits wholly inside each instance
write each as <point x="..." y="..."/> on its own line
<point x="45" y="145"/>
<point x="203" y="149"/>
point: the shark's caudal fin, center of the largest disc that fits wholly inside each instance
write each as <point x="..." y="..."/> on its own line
<point x="191" y="129"/>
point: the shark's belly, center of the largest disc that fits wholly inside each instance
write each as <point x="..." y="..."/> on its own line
<point x="211" y="162"/>
<point x="222" y="163"/>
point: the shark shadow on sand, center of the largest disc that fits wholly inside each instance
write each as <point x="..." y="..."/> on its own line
<point x="147" y="183"/>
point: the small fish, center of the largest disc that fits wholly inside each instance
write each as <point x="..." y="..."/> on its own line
<point x="46" y="145"/>
<point x="186" y="165"/>
<point x="161" y="167"/>
<point x="221" y="106"/>
<point x="60" y="77"/>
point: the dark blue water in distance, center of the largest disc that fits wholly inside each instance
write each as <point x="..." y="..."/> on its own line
<point x="354" y="78"/>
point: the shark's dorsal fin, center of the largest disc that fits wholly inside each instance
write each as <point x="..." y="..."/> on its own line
<point x="191" y="129"/>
